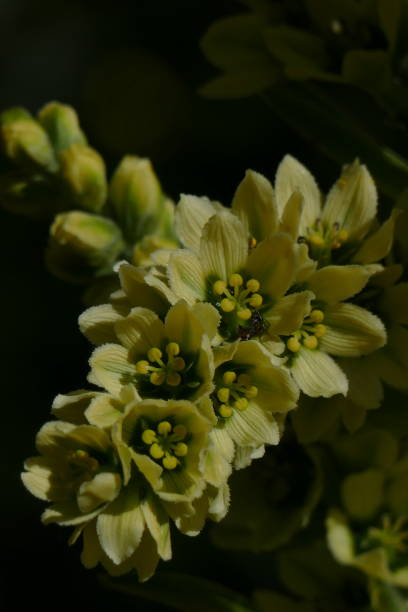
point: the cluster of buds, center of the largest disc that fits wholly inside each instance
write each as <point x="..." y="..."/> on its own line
<point x="204" y="350"/>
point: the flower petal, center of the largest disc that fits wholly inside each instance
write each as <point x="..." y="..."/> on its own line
<point x="273" y="264"/>
<point x="97" y="324"/>
<point x="351" y="331"/>
<point x="218" y="458"/>
<point x="334" y="284"/>
<point x="317" y="374"/>
<point x="140" y="331"/>
<point x="246" y="454"/>
<point x="138" y="291"/>
<point x="378" y="245"/>
<point x="254" y="204"/>
<point x="110" y="367"/>
<point x="286" y="316"/>
<point x="293" y="176"/>
<point x="158" y="524"/>
<point x="120" y="527"/>
<point x="352" y="201"/>
<point x="252" y="427"/>
<point x="104" y="487"/>
<point x="186" y="276"/>
<point x="224" y="246"/>
<point x="72" y="407"/>
<point x="339" y="537"/>
<point x="192" y="213"/>
<point x="291" y="215"/>
<point x="104" y="411"/>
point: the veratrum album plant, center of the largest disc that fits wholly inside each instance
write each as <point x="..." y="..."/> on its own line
<point x="236" y="375"/>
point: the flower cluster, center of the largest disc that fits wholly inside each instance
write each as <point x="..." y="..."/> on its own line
<point x="202" y="353"/>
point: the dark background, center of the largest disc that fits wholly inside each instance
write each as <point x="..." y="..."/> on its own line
<point x="131" y="69"/>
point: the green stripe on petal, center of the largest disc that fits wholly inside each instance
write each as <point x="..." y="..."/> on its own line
<point x="254" y="204"/>
<point x="317" y="374"/>
<point x="111" y="368"/>
<point x="120" y="527"/>
<point x="192" y="213"/>
<point x="293" y="176"/>
<point x="223" y="246"/>
<point x="351" y="331"/>
<point x="334" y="284"/>
<point x="97" y="324"/>
<point x="252" y="427"/>
<point x="352" y="201"/>
<point x="186" y="276"/>
<point x="273" y="264"/>
<point x="379" y="244"/>
<point x="140" y="331"/>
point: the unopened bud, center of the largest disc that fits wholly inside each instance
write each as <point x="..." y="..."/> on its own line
<point x="62" y="126"/>
<point x="83" y="171"/>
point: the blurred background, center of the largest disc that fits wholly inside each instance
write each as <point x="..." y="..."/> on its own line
<point x="131" y="69"/>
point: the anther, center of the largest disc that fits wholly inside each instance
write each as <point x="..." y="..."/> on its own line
<point x="228" y="377"/>
<point x="244" y="314"/>
<point x="173" y="379"/>
<point x="179" y="431"/>
<point x="181" y="449"/>
<point x="178" y="364"/>
<point x="156" y="451"/>
<point x="223" y="394"/>
<point x="256" y="300"/>
<point x="172" y="349"/>
<point x="293" y="344"/>
<point x="343" y="235"/>
<point x="169" y="462"/>
<point x="316" y="240"/>
<point x="317" y="316"/>
<point x="244" y="380"/>
<point x="241" y="403"/>
<point x="164" y="428"/>
<point x="320" y="330"/>
<point x="157" y="378"/>
<point x="236" y="280"/>
<point x="225" y="411"/>
<point x="142" y="367"/>
<point x="227" y="305"/>
<point x="219" y="287"/>
<point x="310" y="342"/>
<point x="252" y="242"/>
<point x="149" y="436"/>
<point x="251" y="392"/>
<point x="253" y="285"/>
<point x="154" y="354"/>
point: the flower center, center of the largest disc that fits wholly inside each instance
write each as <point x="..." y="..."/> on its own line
<point x="80" y="461"/>
<point x="233" y="393"/>
<point x="166" y="444"/>
<point x="322" y="240"/>
<point x="239" y="304"/>
<point x="308" y="335"/>
<point x="390" y="535"/>
<point x="169" y="372"/>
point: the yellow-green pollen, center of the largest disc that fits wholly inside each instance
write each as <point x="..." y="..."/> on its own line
<point x="163" y="369"/>
<point x="239" y="297"/>
<point x="233" y="392"/>
<point x="166" y="444"/>
<point x="309" y="334"/>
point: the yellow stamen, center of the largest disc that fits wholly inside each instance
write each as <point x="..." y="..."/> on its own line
<point x="157" y="378"/>
<point x="223" y="394"/>
<point x="154" y="354"/>
<point x="156" y="451"/>
<point x="252" y="242"/>
<point x="142" y="367"/>
<point x="169" y="462"/>
<point x="172" y="349"/>
<point x="81" y="454"/>
<point x="317" y="316"/>
<point x="310" y="342"/>
<point x="149" y="436"/>
<point x="173" y="379"/>
<point x="225" y="411"/>
<point x="256" y="300"/>
<point x="241" y="403"/>
<point x="228" y="377"/>
<point x="164" y="428"/>
<point x="180" y="432"/>
<point x="253" y="285"/>
<point x="181" y="449"/>
<point x="341" y="183"/>
<point x="178" y="364"/>
<point x="244" y="380"/>
<point x="343" y="235"/>
<point x="320" y="330"/>
<point x="293" y="344"/>
<point x="316" y="240"/>
<point x="227" y="305"/>
<point x="219" y="287"/>
<point x="252" y="391"/>
<point x="236" y="280"/>
<point x="245" y="314"/>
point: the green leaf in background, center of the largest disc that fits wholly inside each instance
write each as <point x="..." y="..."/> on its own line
<point x="183" y="592"/>
<point x="240" y="84"/>
<point x="270" y="601"/>
<point x="370" y="70"/>
<point x="389" y="12"/>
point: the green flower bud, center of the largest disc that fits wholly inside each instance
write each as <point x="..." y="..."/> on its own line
<point x="24" y="140"/>
<point x="143" y="250"/>
<point x="137" y="198"/>
<point x="82" y="246"/>
<point x="61" y="123"/>
<point x="83" y="171"/>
